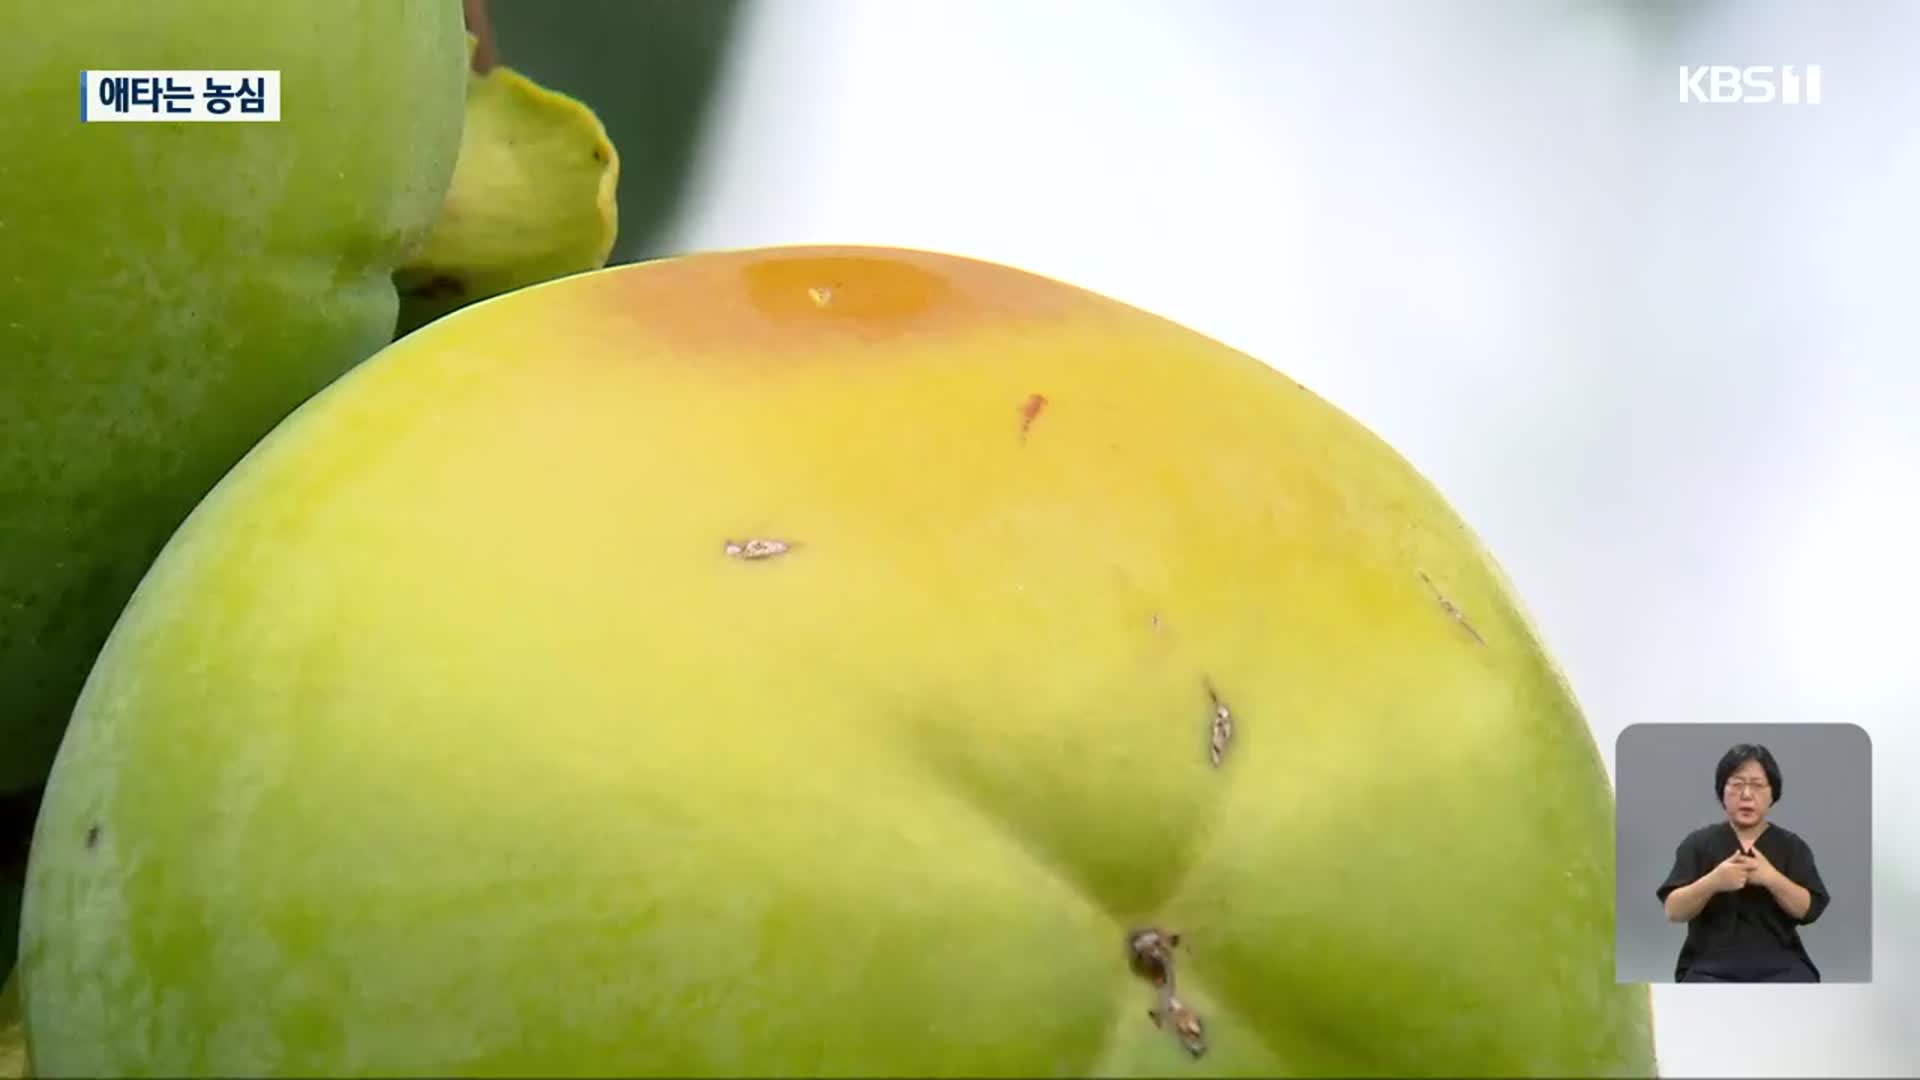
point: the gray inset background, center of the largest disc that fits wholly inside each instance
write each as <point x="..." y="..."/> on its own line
<point x="1665" y="790"/>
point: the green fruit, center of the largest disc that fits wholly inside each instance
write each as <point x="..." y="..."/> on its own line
<point x="171" y="291"/>
<point x="824" y="661"/>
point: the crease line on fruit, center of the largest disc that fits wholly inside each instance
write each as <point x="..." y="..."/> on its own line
<point x="1150" y="954"/>
<point x="1220" y="727"/>
<point x="1452" y="609"/>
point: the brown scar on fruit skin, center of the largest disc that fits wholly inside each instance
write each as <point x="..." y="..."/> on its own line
<point x="1031" y="412"/>
<point x="1150" y="955"/>
<point x="756" y="548"/>
<point x="93" y="836"/>
<point x="1452" y="609"/>
<point x="1186" y="1024"/>
<point x="1219" y="728"/>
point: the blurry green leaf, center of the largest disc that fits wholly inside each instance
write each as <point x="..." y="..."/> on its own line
<point x="648" y="68"/>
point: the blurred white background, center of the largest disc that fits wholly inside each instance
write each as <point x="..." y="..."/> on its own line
<point x="1661" y="356"/>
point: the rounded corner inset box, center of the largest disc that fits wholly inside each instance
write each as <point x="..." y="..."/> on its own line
<point x="1743" y="853"/>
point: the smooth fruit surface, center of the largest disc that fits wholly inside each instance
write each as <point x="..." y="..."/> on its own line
<point x="820" y="661"/>
<point x="170" y="291"/>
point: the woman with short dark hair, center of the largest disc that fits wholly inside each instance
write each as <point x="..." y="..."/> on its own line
<point x="1744" y="885"/>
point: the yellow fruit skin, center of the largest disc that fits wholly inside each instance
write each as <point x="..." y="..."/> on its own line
<point x="448" y="737"/>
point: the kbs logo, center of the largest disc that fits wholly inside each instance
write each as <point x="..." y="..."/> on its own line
<point x="1720" y="84"/>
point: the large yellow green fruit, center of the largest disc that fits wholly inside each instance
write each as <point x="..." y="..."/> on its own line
<point x="170" y="291"/>
<point x="824" y="661"/>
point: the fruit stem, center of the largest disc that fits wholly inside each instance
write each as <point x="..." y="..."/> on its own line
<point x="480" y="25"/>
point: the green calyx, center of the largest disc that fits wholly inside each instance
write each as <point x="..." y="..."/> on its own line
<point x="532" y="199"/>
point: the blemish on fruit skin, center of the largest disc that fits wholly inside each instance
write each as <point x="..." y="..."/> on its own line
<point x="1031" y="412"/>
<point x="1452" y="609"/>
<point x="768" y="308"/>
<point x="848" y="289"/>
<point x="1150" y="954"/>
<point x="757" y="548"/>
<point x="1220" y="728"/>
<point x="93" y="837"/>
<point x="1186" y="1024"/>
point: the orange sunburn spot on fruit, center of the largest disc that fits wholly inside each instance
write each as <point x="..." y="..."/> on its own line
<point x="760" y="306"/>
<point x="871" y="291"/>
